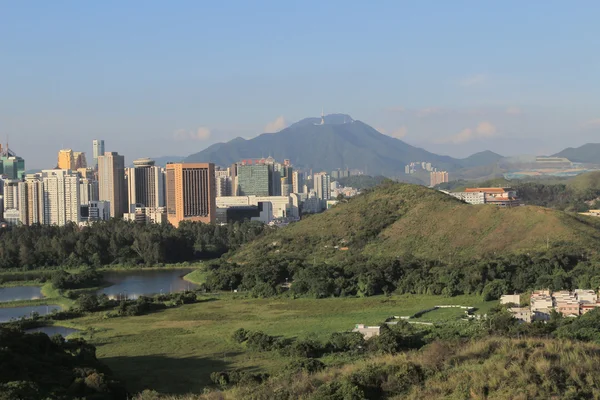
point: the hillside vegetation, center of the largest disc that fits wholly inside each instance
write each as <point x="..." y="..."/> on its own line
<point x="494" y="369"/>
<point x="395" y="220"/>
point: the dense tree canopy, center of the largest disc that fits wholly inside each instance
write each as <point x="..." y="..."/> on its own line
<point x="119" y="242"/>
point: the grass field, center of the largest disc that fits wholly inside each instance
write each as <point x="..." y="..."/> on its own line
<point x="176" y="350"/>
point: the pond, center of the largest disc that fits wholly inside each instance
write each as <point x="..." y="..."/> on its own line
<point x="132" y="284"/>
<point x="20" y="293"/>
<point x="6" y="314"/>
<point x="53" y="330"/>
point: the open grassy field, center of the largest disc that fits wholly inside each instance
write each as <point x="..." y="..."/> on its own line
<point x="176" y="350"/>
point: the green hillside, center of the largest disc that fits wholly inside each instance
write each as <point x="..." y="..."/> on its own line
<point x="401" y="219"/>
<point x="585" y="182"/>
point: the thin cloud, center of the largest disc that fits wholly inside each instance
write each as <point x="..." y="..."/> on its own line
<point x="484" y="129"/>
<point x="426" y="112"/>
<point x="200" y="134"/>
<point x="395" y="109"/>
<point x="593" y="123"/>
<point x="474" y="80"/>
<point x="276" y="126"/>
<point x="396" y="133"/>
<point x="514" y="111"/>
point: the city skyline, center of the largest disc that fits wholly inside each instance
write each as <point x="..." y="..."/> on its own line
<point x="448" y="77"/>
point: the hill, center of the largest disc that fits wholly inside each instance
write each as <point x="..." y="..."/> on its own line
<point x="588" y="153"/>
<point x="538" y="369"/>
<point x="589" y="181"/>
<point x="339" y="143"/>
<point x="395" y="220"/>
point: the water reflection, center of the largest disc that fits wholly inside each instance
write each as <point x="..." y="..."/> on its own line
<point x="53" y="330"/>
<point x="20" y="293"/>
<point x="132" y="284"/>
<point x="10" y="313"/>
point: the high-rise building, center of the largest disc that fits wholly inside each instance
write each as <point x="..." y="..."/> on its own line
<point x="223" y="183"/>
<point x="66" y="159"/>
<point x="98" y="150"/>
<point x="322" y="185"/>
<point x="255" y="180"/>
<point x="146" y="184"/>
<point x="69" y="159"/>
<point x="79" y="160"/>
<point x="437" y="177"/>
<point x="88" y="191"/>
<point x="111" y="182"/>
<point x="191" y="192"/>
<point x="297" y="182"/>
<point x="61" y="197"/>
<point x="12" y="167"/>
<point x="35" y="199"/>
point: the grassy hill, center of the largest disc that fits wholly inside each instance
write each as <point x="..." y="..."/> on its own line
<point x="584" y="182"/>
<point x="494" y="368"/>
<point x="400" y="219"/>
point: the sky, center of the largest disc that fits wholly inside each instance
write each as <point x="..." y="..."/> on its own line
<point x="158" y="78"/>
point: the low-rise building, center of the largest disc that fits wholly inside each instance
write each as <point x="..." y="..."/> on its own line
<point x="510" y="299"/>
<point x="588" y="296"/>
<point x="367" y="331"/>
<point x="522" y="314"/>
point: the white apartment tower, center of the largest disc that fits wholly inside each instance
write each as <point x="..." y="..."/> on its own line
<point x="146" y="184"/>
<point x="322" y="185"/>
<point x="61" y="197"/>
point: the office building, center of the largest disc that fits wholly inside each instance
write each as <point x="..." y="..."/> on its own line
<point x="61" y="197"/>
<point x="146" y="184"/>
<point x="297" y="182"/>
<point x="147" y="215"/>
<point x="88" y="191"/>
<point x="437" y="177"/>
<point x="255" y="179"/>
<point x="111" y="182"/>
<point x="273" y="208"/>
<point x="98" y="150"/>
<point x="191" y="192"/>
<point x="95" y="211"/>
<point x="322" y="185"/>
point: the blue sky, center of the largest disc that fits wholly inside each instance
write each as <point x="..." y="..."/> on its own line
<point x="170" y="78"/>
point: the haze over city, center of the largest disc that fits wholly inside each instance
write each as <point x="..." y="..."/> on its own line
<point x="156" y="79"/>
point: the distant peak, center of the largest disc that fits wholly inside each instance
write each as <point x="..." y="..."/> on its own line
<point x="329" y="119"/>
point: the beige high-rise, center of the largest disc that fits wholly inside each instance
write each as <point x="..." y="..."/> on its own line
<point x="191" y="192"/>
<point x="111" y="182"/>
<point x="66" y="159"/>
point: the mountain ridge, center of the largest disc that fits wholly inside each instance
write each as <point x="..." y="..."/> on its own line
<point x="341" y="142"/>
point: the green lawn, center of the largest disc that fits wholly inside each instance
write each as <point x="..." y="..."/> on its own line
<point x="177" y="349"/>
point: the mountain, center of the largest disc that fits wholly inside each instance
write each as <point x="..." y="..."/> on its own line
<point x="588" y="153"/>
<point x="338" y="143"/>
<point x="397" y="219"/>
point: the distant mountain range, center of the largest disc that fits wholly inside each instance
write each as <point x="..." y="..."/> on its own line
<point x="341" y="142"/>
<point x="588" y="153"/>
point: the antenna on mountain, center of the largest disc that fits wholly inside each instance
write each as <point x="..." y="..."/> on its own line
<point x="323" y="116"/>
